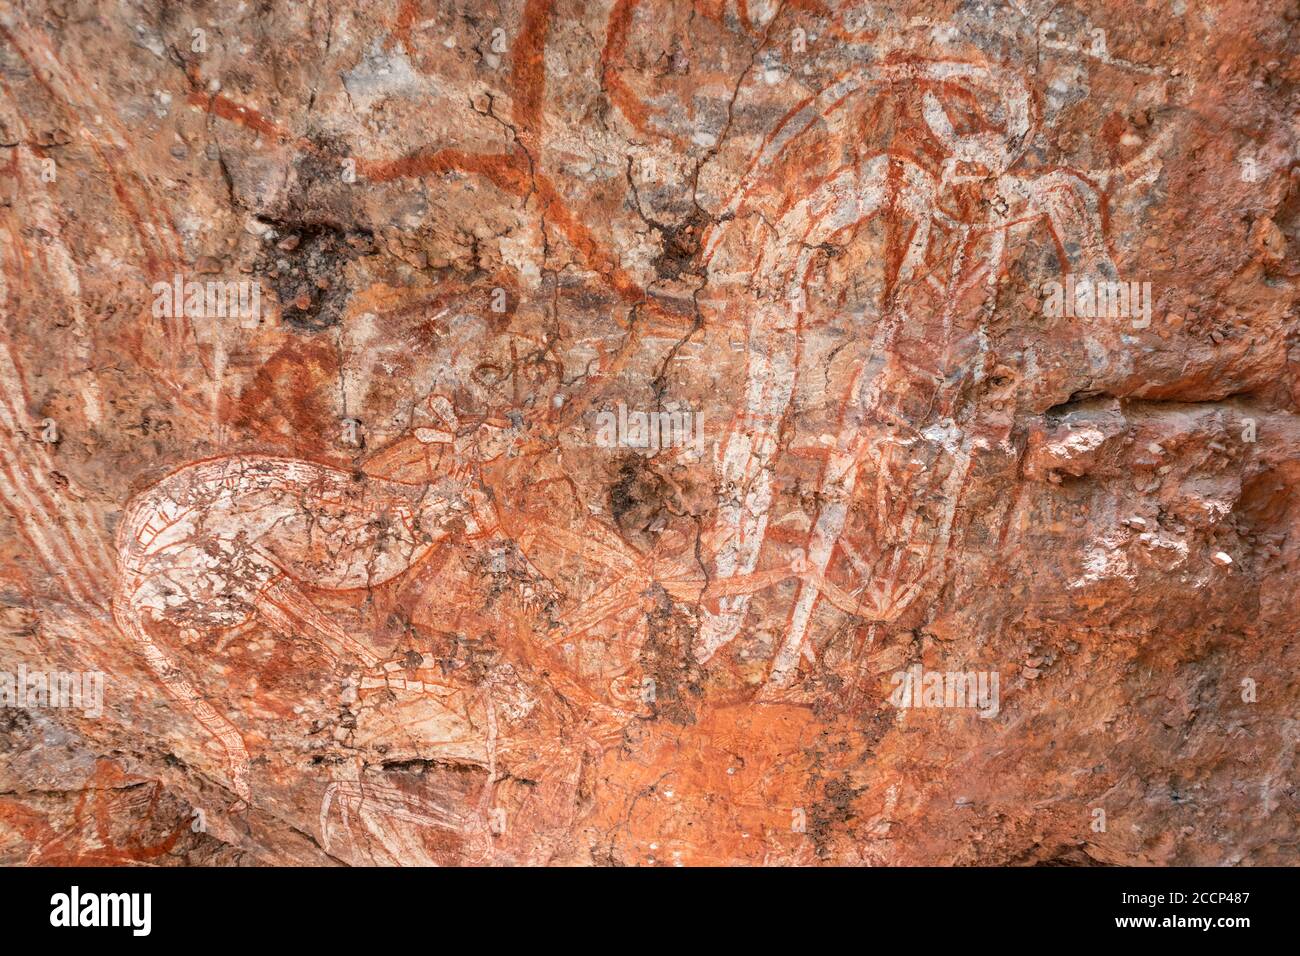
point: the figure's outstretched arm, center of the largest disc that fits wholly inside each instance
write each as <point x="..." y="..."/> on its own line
<point x="1076" y="213"/>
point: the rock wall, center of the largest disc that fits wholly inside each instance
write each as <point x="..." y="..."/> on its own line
<point x="649" y="433"/>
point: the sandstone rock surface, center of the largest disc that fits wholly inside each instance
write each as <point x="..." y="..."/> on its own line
<point x="649" y="433"/>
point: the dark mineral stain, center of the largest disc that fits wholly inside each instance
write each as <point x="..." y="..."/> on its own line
<point x="666" y="658"/>
<point x="681" y="247"/>
<point x="829" y="815"/>
<point x="307" y="269"/>
<point x="638" y="501"/>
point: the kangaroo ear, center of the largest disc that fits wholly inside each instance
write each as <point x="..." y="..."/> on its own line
<point x="936" y="117"/>
<point x="443" y="413"/>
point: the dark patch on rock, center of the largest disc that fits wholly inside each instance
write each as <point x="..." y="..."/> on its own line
<point x="307" y="268"/>
<point x="638" y="501"/>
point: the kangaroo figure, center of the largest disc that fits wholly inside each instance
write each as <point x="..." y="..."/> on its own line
<point x="225" y="540"/>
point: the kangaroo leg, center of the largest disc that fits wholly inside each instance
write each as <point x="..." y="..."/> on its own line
<point x="285" y="606"/>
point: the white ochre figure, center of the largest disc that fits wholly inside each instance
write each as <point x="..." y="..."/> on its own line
<point x="927" y="210"/>
<point x="223" y="541"/>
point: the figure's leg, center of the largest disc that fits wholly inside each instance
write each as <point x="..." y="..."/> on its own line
<point x="1074" y="211"/>
<point x="868" y="393"/>
<point x="747" y="463"/>
<point x="843" y="201"/>
<point x="835" y="492"/>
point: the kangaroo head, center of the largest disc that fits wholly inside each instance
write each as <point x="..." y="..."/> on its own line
<point x="485" y="438"/>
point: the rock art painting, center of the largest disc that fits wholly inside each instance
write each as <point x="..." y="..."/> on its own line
<point x="649" y="434"/>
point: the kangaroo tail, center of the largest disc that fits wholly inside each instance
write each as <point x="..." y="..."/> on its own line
<point x="127" y="618"/>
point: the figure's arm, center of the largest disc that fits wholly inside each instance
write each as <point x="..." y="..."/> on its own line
<point x="847" y="199"/>
<point x="1075" y="211"/>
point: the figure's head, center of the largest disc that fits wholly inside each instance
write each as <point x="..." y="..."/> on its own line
<point x="995" y="150"/>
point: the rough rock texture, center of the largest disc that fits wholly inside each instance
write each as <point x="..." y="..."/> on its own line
<point x="379" y="571"/>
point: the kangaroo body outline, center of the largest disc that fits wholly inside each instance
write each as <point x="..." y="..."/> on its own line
<point x="223" y="540"/>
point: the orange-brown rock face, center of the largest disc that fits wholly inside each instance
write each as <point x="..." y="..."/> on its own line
<point x="649" y="433"/>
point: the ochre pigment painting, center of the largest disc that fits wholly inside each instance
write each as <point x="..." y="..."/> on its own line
<point x="649" y="433"/>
